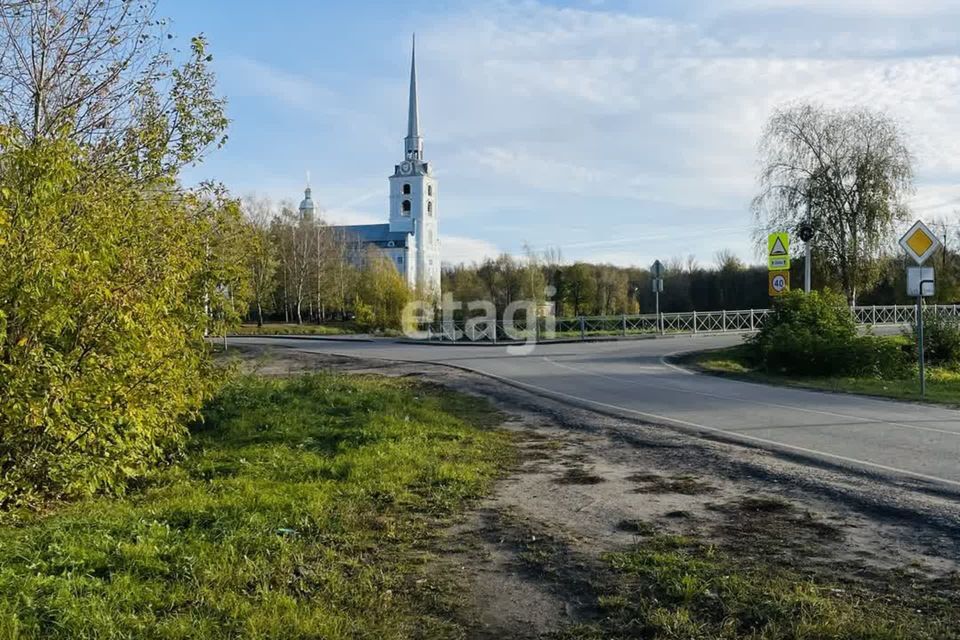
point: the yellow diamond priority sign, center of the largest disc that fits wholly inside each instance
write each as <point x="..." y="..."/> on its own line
<point x="919" y="242"/>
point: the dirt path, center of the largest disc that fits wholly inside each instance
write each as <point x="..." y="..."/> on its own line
<point x="532" y="554"/>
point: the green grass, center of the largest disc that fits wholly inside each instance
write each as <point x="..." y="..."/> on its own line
<point x="943" y="385"/>
<point x="282" y="329"/>
<point x="679" y="588"/>
<point x="299" y="512"/>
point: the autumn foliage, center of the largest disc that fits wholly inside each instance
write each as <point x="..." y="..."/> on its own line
<point x="111" y="272"/>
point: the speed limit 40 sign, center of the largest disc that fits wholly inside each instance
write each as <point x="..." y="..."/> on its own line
<point x="779" y="283"/>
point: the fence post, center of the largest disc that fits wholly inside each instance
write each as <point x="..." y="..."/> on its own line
<point x="582" y="329"/>
<point x="494" y="332"/>
<point x="723" y="321"/>
<point x="694" y="320"/>
<point x="874" y="310"/>
<point x="752" y="325"/>
<point x="623" y="319"/>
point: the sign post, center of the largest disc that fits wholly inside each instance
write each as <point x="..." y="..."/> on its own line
<point x="806" y="234"/>
<point x="778" y="264"/>
<point x="920" y="243"/>
<point x="657" y="285"/>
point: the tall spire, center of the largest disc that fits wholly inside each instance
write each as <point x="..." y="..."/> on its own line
<point x="413" y="144"/>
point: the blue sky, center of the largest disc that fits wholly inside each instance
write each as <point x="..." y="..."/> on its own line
<point x="619" y="132"/>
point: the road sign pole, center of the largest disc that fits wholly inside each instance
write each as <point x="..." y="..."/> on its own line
<point x="920" y="243"/>
<point x="923" y="376"/>
<point x="657" y="285"/>
<point x="806" y="236"/>
<point x="656" y="298"/>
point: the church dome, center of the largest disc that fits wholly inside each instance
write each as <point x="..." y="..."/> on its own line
<point x="306" y="205"/>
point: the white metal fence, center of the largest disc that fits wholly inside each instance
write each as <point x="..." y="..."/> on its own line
<point x="687" y="322"/>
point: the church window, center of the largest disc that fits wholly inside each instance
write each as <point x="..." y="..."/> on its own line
<point x="391" y="243"/>
<point x="406" y="188"/>
<point x="406" y="207"/>
<point x="429" y="189"/>
<point x="399" y="259"/>
<point x="429" y="206"/>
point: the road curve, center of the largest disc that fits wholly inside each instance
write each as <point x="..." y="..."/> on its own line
<point x="631" y="378"/>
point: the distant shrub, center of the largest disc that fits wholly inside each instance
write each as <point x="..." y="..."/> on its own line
<point x="365" y="316"/>
<point x="805" y="334"/>
<point x="815" y="335"/>
<point x="877" y="357"/>
<point x="941" y="338"/>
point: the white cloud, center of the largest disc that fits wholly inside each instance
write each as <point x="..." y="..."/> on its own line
<point x="260" y="79"/>
<point x="897" y="8"/>
<point x="463" y="250"/>
<point x="936" y="202"/>
<point x="659" y="118"/>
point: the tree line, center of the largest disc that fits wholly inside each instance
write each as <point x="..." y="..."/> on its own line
<point x="304" y="270"/>
<point x="582" y="288"/>
<point x="588" y="289"/>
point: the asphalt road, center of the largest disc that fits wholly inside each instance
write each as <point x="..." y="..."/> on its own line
<point x="631" y="378"/>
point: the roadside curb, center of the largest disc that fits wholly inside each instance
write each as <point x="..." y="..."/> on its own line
<point x="280" y="336"/>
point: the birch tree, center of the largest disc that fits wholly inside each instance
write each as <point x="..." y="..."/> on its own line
<point x="262" y="259"/>
<point x="99" y="72"/>
<point x="852" y="169"/>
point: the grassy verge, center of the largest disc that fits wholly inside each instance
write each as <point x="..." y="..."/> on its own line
<point x="768" y="573"/>
<point x="943" y="385"/>
<point x="282" y="329"/>
<point x="298" y="513"/>
<point x="673" y="586"/>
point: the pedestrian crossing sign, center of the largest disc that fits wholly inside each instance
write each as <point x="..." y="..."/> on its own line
<point x="778" y="251"/>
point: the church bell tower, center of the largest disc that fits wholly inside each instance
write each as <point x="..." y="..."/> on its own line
<point x="413" y="199"/>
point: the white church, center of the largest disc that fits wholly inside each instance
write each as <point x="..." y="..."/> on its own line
<point x="411" y="238"/>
